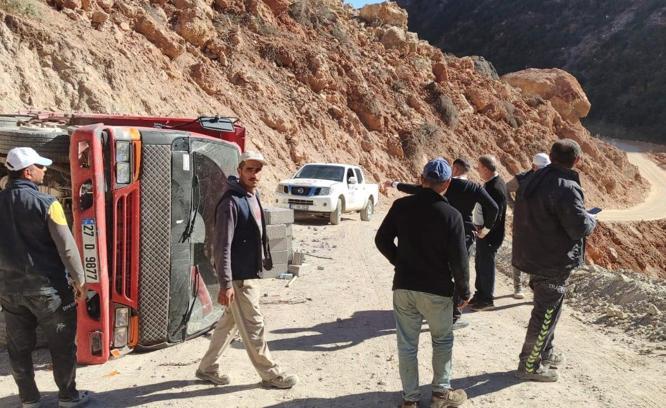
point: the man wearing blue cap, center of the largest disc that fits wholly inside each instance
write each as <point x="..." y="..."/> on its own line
<point x="430" y="263"/>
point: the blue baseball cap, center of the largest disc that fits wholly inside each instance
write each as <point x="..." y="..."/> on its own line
<point x="437" y="170"/>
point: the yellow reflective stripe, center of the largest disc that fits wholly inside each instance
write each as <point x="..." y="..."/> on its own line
<point x="57" y="214"/>
<point x="536" y="350"/>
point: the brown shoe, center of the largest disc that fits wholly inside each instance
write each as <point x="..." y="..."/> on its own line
<point x="450" y="398"/>
<point x="215" y="378"/>
<point x="281" y="381"/>
<point x="409" y="404"/>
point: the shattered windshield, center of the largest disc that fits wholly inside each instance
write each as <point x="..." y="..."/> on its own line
<point x="322" y="172"/>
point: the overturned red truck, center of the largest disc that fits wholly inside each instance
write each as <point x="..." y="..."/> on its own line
<point x="142" y="192"/>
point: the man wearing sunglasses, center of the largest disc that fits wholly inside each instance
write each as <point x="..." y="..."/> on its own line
<point x="41" y="275"/>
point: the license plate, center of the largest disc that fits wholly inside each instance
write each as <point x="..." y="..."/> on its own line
<point x="298" y="207"/>
<point x="90" y="257"/>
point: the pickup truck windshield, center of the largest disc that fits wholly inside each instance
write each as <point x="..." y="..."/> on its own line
<point x="334" y="173"/>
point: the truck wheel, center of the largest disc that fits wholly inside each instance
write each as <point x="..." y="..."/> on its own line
<point x="336" y="215"/>
<point x="368" y="210"/>
<point x="52" y="143"/>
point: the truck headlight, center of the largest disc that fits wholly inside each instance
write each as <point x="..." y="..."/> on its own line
<point x="282" y="188"/>
<point x="122" y="317"/>
<point x="120" y="337"/>
<point x="123" y="173"/>
<point x="324" y="191"/>
<point x="122" y="151"/>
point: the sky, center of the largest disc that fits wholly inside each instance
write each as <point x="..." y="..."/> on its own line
<point x="361" y="3"/>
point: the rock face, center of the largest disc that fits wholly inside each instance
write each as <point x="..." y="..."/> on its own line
<point x="554" y="85"/>
<point x="384" y="14"/>
<point x="309" y="82"/>
<point x="610" y="46"/>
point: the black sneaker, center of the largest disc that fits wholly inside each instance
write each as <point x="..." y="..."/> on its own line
<point x="79" y="401"/>
<point x="483" y="305"/>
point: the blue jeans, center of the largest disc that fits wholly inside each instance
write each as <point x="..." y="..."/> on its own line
<point x="484" y="264"/>
<point x="410" y="308"/>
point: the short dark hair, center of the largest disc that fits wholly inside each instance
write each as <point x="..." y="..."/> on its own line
<point x="460" y="162"/>
<point x="565" y="152"/>
<point x="488" y="161"/>
<point x="15" y="174"/>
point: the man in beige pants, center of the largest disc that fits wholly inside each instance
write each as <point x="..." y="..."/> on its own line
<point x="241" y="252"/>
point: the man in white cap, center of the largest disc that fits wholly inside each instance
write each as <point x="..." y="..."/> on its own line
<point x="41" y="275"/>
<point x="241" y="252"/>
<point x="539" y="161"/>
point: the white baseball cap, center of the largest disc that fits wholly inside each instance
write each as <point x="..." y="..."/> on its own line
<point x="541" y="160"/>
<point x="21" y="157"/>
<point x="252" y="155"/>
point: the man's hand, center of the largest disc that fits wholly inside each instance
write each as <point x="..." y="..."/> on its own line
<point x="226" y="296"/>
<point x="387" y="184"/>
<point x="80" y="291"/>
<point x="463" y="303"/>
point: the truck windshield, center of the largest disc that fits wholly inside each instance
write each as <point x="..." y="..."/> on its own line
<point x="321" y="172"/>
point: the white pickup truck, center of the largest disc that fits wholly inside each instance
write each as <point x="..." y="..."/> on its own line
<point x="329" y="189"/>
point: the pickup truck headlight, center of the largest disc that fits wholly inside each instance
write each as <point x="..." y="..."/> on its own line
<point x="324" y="191"/>
<point x="282" y="188"/>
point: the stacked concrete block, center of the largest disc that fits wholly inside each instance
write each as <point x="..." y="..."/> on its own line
<point x="278" y="231"/>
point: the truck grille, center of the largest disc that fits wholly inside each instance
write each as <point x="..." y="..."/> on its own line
<point x="155" y="244"/>
<point x="300" y="191"/>
<point x="302" y="202"/>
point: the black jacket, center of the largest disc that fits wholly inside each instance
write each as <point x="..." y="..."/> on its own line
<point x="463" y="195"/>
<point x="431" y="245"/>
<point x="550" y="223"/>
<point x="497" y="190"/>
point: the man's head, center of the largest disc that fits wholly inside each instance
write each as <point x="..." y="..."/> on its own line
<point x="250" y="165"/>
<point x="26" y="163"/>
<point x="436" y="175"/>
<point x="487" y="166"/>
<point x="539" y="161"/>
<point x="461" y="167"/>
<point x="566" y="152"/>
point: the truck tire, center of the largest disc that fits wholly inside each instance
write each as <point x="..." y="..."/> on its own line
<point x="368" y="210"/>
<point x="336" y="215"/>
<point x="52" y="143"/>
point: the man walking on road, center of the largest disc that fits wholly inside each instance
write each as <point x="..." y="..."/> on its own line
<point x="549" y="229"/>
<point x="488" y="243"/>
<point x="241" y="250"/>
<point x="41" y="275"/>
<point x="430" y="260"/>
<point x="539" y="161"/>
<point x="463" y="195"/>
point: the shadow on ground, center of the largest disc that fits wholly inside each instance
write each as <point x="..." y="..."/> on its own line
<point x="363" y="400"/>
<point x="487" y="383"/>
<point x="141" y="395"/>
<point x="340" y="334"/>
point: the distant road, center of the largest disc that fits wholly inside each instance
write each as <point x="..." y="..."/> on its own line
<point x="654" y="206"/>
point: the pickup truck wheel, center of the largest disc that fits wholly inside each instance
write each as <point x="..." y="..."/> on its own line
<point x="336" y="215"/>
<point x="368" y="210"/>
<point x="51" y="143"/>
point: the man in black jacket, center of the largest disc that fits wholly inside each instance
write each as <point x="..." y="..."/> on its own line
<point x="430" y="260"/>
<point x="488" y="244"/>
<point x="549" y="228"/>
<point x="463" y="195"/>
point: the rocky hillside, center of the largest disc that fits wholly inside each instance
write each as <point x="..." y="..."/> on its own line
<point x="615" y="48"/>
<point x="311" y="80"/>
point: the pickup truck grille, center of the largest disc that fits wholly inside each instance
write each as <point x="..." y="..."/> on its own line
<point x="301" y="191"/>
<point x="301" y="202"/>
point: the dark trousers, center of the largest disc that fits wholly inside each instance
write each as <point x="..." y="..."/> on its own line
<point x="484" y="264"/>
<point x="56" y="315"/>
<point x="457" y="312"/>
<point x="548" y="298"/>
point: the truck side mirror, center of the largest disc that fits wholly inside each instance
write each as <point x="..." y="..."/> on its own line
<point x="352" y="180"/>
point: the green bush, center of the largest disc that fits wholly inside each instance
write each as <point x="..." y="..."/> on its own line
<point x="23" y="7"/>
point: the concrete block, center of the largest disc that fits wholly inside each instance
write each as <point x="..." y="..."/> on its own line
<point x="299" y="270"/>
<point x="274" y="215"/>
<point x="276" y="231"/>
<point x="280" y="257"/>
<point x="281" y="244"/>
<point x="290" y="232"/>
<point x="277" y="269"/>
<point x="298" y="258"/>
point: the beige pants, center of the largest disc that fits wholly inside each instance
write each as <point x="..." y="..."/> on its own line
<point x="242" y="316"/>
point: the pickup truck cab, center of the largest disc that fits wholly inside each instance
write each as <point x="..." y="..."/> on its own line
<point x="329" y="189"/>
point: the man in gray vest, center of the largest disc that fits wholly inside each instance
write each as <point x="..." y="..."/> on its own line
<point x="241" y="252"/>
<point x="40" y="276"/>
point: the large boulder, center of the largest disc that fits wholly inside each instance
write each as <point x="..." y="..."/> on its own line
<point x="555" y="85"/>
<point x="384" y="14"/>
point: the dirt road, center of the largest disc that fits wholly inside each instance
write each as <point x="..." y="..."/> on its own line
<point x="334" y="328"/>
<point x="654" y="206"/>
